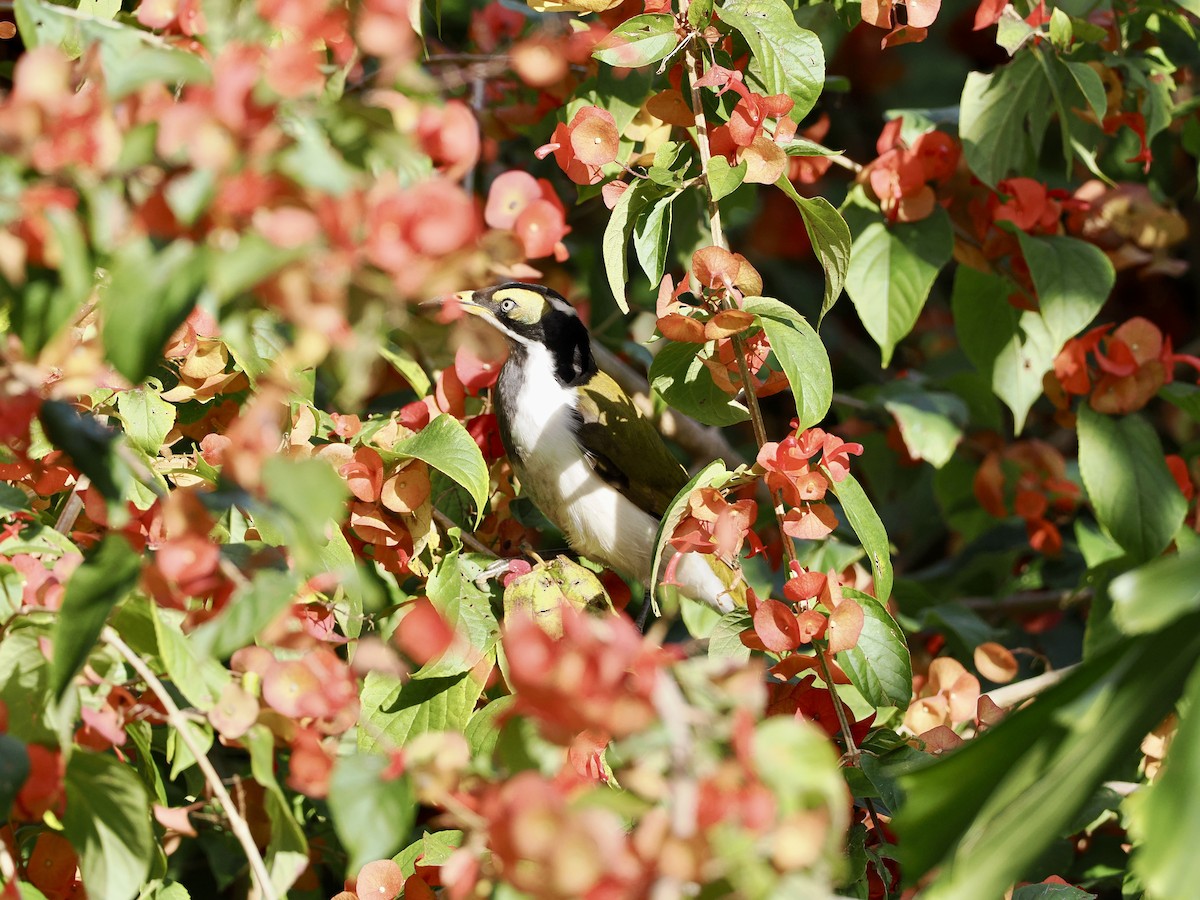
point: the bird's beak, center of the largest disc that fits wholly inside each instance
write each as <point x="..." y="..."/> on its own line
<point x="451" y="306"/>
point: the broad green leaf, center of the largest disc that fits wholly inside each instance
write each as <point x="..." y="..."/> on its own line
<point x="1164" y="822"/>
<point x="830" y="238"/>
<point x="616" y="239"/>
<point x="800" y="353"/>
<point x="200" y="679"/>
<point x="467" y="609"/>
<point x="446" y="445"/>
<point x="638" y="41"/>
<point x="12" y="499"/>
<point x="1154" y="595"/>
<point x="714" y="473"/>
<point x="724" y="179"/>
<point x="931" y="422"/>
<point x="878" y="665"/>
<point x="785" y="58"/>
<point x="93" y="448"/>
<point x="679" y="376"/>
<point x="1012" y="349"/>
<point x="106" y="575"/>
<point x="306" y="496"/>
<point x="287" y="850"/>
<point x="1131" y="490"/>
<point x="372" y="815"/>
<point x="699" y="619"/>
<point x="483" y="730"/>
<point x="869" y="527"/>
<point x="395" y="712"/>
<point x="402" y="361"/>
<point x="108" y="823"/>
<point x="1183" y="395"/>
<point x="1003" y="117"/>
<point x="987" y="811"/>
<point x="1051" y="891"/>
<point x="130" y="57"/>
<point x="1088" y="81"/>
<point x="25" y="687"/>
<point x="1073" y="279"/>
<point x="149" y="296"/>
<point x="432" y="849"/>
<point x="891" y="272"/>
<point x="148" y="418"/>
<point x="252" y="608"/>
<point x="652" y="237"/>
<point x="14" y="769"/>
<point x="725" y="642"/>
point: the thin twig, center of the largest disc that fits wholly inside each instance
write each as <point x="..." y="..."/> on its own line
<point x="1028" y="601"/>
<point x="468" y="539"/>
<point x="72" y="507"/>
<point x="178" y="721"/>
<point x="1013" y="694"/>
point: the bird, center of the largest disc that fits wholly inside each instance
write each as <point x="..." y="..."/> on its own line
<point x="580" y="448"/>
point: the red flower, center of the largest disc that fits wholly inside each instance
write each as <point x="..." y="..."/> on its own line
<point x="582" y="147"/>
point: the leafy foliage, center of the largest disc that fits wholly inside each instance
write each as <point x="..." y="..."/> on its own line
<point x="277" y="618"/>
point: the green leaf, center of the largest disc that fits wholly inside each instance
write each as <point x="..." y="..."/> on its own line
<point x="931" y="422"/>
<point x="199" y="679"/>
<point x="725" y="642"/>
<point x="714" y="473"/>
<point x="371" y="815"/>
<point x="616" y="239"/>
<point x="878" y="665"/>
<point x="1015" y="788"/>
<point x="108" y="824"/>
<point x="148" y="418"/>
<point x="395" y="712"/>
<point x="891" y="272"/>
<point x="14" y="769"/>
<point x="24" y="687"/>
<point x="800" y="353"/>
<point x="830" y="238"/>
<point x="1012" y="349"/>
<point x="724" y="179"/>
<point x="1183" y="395"/>
<point x="652" y="236"/>
<point x="1131" y="490"/>
<point x="786" y="59"/>
<point x="150" y="295"/>
<point x="446" y="445"/>
<point x="251" y="609"/>
<point x="1154" y="595"/>
<point x="1073" y="279"/>
<point x="465" y="608"/>
<point x="638" y="42"/>
<point x="410" y="370"/>
<point x="1003" y="117"/>
<point x="483" y="731"/>
<point x="287" y="851"/>
<point x="12" y="499"/>
<point x="1164" y="822"/>
<point x="1089" y="83"/>
<point x="679" y="376"/>
<point x="102" y="580"/>
<point x="93" y="448"/>
<point x="130" y="57"/>
<point x="1051" y="891"/>
<point x="432" y="849"/>
<point x="869" y="527"/>
<point x="305" y="496"/>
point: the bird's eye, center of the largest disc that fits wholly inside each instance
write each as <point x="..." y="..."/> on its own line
<point x="507" y="306"/>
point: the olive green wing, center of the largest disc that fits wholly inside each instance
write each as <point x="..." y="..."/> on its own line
<point x="625" y="449"/>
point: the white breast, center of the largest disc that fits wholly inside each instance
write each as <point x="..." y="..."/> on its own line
<point x="597" y="520"/>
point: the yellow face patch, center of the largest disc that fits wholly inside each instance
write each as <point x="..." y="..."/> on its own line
<point x="520" y="305"/>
